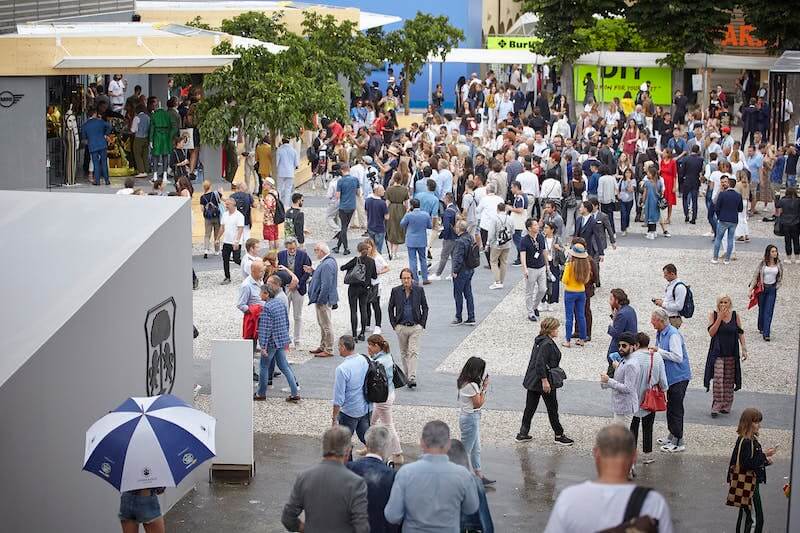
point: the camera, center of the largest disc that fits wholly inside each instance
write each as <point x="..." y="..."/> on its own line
<point x="336" y="170"/>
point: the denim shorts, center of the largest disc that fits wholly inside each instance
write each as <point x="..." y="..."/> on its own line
<point x="140" y="509"/>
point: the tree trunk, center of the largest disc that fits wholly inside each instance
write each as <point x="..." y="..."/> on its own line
<point x="406" y="96"/>
<point x="273" y="142"/>
<point x="567" y="88"/>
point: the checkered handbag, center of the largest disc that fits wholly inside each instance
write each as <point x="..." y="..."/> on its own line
<point x="742" y="484"/>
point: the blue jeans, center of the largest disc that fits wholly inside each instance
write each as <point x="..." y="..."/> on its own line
<point x="379" y="239"/>
<point x="791" y="180"/>
<point x="574" y="304"/>
<point x="267" y="364"/>
<point x="712" y="216"/>
<point x="690" y="197"/>
<point x="766" y="306"/>
<point x="413" y="254"/>
<point x="517" y="238"/>
<point x="470" y="425"/>
<point x="462" y="290"/>
<point x="100" y="164"/>
<point x="722" y="228"/>
<point x="359" y="425"/>
<point x="625" y="215"/>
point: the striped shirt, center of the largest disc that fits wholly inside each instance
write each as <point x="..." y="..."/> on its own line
<point x="273" y="325"/>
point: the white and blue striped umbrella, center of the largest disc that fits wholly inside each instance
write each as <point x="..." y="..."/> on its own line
<point x="149" y="442"/>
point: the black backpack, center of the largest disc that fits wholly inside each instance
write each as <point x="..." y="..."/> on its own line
<point x="632" y="521"/>
<point x="211" y="209"/>
<point x="503" y="236"/>
<point x="376" y="382"/>
<point x="280" y="211"/>
<point x="473" y="256"/>
<point x="688" y="303"/>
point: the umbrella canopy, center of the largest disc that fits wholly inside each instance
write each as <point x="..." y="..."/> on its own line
<point x="149" y="442"/>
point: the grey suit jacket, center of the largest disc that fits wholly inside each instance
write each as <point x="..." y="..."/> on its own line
<point x="333" y="497"/>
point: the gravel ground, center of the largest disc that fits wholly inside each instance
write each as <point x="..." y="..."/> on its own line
<point x="638" y="271"/>
<point x="311" y="417"/>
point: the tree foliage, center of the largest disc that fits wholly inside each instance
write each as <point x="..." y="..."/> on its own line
<point x="682" y="26"/>
<point x="617" y="34"/>
<point x="776" y="22"/>
<point x="411" y="45"/>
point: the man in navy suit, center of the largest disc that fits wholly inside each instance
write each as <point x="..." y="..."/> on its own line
<point x="294" y="259"/>
<point x="588" y="228"/>
<point x="379" y="478"/>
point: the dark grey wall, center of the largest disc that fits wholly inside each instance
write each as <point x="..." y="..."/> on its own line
<point x="23" y="149"/>
<point x="95" y="361"/>
<point x="13" y="12"/>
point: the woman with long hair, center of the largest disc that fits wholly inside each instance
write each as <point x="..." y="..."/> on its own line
<point x="397" y="195"/>
<point x="472" y="383"/>
<point x="723" y="362"/>
<point x="749" y="457"/>
<point x="577" y="273"/>
<point x="769" y="274"/>
<point x="378" y="349"/>
<point x="629" y="137"/>
<point x="544" y="356"/>
<point x="459" y="84"/>
<point x="627" y="191"/>
<point x="742" y="232"/>
<point x="668" y="168"/>
<point x="358" y="289"/>
<point x="374" y="296"/>
<point x="653" y="189"/>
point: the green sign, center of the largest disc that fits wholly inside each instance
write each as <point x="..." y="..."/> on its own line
<point x="502" y="42"/>
<point x="617" y="80"/>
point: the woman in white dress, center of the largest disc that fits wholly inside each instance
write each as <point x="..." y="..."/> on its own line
<point x="743" y="188"/>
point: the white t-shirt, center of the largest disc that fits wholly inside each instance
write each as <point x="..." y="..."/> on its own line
<point x="116" y="92"/>
<point x="487" y="208"/>
<point x="231" y="223"/>
<point x="714" y="180"/>
<point x="465" y="395"/>
<point x="529" y="183"/>
<point x="594" y="506"/>
<point x="380" y="264"/>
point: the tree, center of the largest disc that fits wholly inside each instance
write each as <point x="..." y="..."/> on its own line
<point x="617" y="34"/>
<point x="680" y="27"/>
<point x="260" y="91"/>
<point x="775" y="22"/>
<point x="562" y="29"/>
<point x="411" y="45"/>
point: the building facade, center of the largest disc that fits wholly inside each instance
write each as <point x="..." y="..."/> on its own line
<point x="13" y="12"/>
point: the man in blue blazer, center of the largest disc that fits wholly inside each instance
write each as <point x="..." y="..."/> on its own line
<point x="323" y="294"/>
<point x="416" y="223"/>
<point x="294" y="259"/>
<point x="623" y="318"/>
<point x="379" y="477"/>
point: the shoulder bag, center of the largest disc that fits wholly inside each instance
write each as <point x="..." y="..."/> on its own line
<point x="632" y="521"/>
<point x="654" y="399"/>
<point x="356" y="275"/>
<point x="742" y="482"/>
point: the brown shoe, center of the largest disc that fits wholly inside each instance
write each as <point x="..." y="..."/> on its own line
<point x="323" y="354"/>
<point x="316" y="350"/>
<point x="293" y="399"/>
<point x="427" y="282"/>
<point x="258" y="398"/>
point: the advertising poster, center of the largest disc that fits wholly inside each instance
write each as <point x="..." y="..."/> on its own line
<point x="617" y="80"/>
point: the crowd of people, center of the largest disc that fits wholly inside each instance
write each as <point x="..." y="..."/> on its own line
<point x="498" y="186"/>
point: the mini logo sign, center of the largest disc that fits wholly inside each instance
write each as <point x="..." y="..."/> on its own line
<point x="105" y="469"/>
<point x="188" y="459"/>
<point x="146" y="471"/>
<point x="159" y="330"/>
<point x="7" y="98"/>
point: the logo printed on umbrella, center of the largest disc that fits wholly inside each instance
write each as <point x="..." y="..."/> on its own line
<point x="146" y="471"/>
<point x="105" y="469"/>
<point x="188" y="459"/>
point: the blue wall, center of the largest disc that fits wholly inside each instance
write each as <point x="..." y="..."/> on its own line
<point x="463" y="14"/>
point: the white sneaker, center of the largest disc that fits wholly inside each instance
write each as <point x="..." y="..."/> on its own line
<point x="664" y="440"/>
<point x="708" y="234"/>
<point x="715" y="261"/>
<point x="673" y="448"/>
<point x="726" y="262"/>
<point x="496" y="286"/>
<point x="450" y="278"/>
<point x="624" y="233"/>
<point x="434" y="277"/>
<point x="376" y="331"/>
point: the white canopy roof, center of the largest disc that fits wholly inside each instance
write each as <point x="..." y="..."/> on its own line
<point x="611" y="59"/>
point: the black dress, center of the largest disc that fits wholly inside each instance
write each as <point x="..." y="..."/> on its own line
<point x="358" y="292"/>
<point x="724" y="344"/>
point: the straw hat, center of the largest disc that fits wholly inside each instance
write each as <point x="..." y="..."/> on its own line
<point x="578" y="250"/>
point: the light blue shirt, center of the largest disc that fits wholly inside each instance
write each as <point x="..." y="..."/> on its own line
<point x="415" y="223"/>
<point x="287" y="159"/>
<point x="429" y="203"/>
<point x="249" y="294"/>
<point x="430" y="495"/>
<point x="754" y="165"/>
<point x="444" y="183"/>
<point x="348" y="386"/>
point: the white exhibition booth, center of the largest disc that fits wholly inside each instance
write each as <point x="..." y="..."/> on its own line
<point x="87" y="282"/>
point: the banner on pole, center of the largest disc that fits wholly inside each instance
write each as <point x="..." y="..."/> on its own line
<point x="617" y="80"/>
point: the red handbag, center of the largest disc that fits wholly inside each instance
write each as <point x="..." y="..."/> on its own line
<point x="654" y="398"/>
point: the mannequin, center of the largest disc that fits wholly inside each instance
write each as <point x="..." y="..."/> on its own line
<point x="71" y="140"/>
<point x="162" y="133"/>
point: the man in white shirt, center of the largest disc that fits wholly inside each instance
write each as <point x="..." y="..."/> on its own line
<point x="530" y="187"/>
<point x="232" y="222"/>
<point x="674" y="295"/>
<point x="486" y="212"/>
<point x="601" y="504"/>
<point x="359" y="172"/>
<point x="332" y="212"/>
<point x="712" y="191"/>
<point x="116" y="91"/>
<point x="607" y="194"/>
<point x="561" y="127"/>
<point x="541" y="147"/>
<point x="250" y="255"/>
